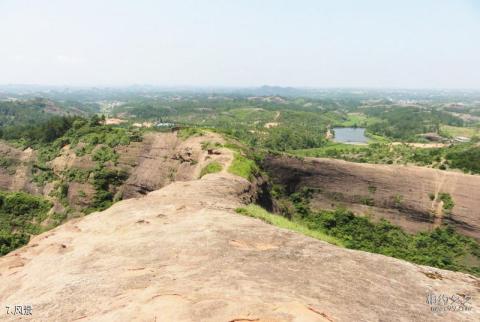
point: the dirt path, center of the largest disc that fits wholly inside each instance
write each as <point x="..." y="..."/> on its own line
<point x="221" y="155"/>
<point x="423" y="145"/>
<point x="274" y="123"/>
<point x="277" y="115"/>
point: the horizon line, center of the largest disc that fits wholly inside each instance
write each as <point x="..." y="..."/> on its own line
<point x="232" y="87"/>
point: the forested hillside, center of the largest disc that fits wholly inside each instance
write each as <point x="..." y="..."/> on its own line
<point x="68" y="162"/>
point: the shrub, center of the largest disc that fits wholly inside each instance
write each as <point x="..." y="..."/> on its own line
<point x="104" y="181"/>
<point x="442" y="247"/>
<point x="397" y="200"/>
<point x="210" y="145"/>
<point x="447" y="200"/>
<point x="42" y="175"/>
<point x="77" y="175"/>
<point x="61" y="192"/>
<point x="20" y="215"/>
<point x="105" y="154"/>
<point x="8" y="164"/>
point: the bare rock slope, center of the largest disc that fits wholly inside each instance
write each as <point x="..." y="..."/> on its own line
<point x="408" y="196"/>
<point x="163" y="157"/>
<point x="16" y="175"/>
<point x="182" y="254"/>
<point x="159" y="159"/>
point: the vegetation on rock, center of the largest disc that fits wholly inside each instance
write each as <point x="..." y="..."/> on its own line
<point x="21" y="215"/>
<point x="212" y="167"/>
<point x="441" y="247"/>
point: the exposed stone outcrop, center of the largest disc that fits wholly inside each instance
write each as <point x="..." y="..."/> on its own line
<point x="182" y="254"/>
<point x="158" y="160"/>
<point x="408" y="196"/>
<point x="17" y="176"/>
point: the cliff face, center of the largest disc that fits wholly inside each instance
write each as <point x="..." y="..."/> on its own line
<point x="15" y="169"/>
<point x="407" y="196"/>
<point x="158" y="160"/>
<point x="182" y="254"/>
<point x="163" y="158"/>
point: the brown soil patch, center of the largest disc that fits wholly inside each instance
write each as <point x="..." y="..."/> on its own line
<point x="114" y="121"/>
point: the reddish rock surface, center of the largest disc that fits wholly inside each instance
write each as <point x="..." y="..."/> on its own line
<point x="401" y="194"/>
<point x="182" y="254"/>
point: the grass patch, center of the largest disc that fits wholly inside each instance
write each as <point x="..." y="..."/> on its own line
<point x="188" y="132"/>
<point x="330" y="149"/>
<point x="453" y="131"/>
<point x="279" y="221"/>
<point x="374" y="138"/>
<point x="462" y="156"/>
<point x="212" y="167"/>
<point x="243" y="167"/>
<point x="354" y="120"/>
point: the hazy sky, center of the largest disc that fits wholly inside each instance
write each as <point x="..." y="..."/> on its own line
<point x="315" y="43"/>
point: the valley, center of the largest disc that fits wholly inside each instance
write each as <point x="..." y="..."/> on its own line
<point x="162" y="184"/>
<point x="240" y="161"/>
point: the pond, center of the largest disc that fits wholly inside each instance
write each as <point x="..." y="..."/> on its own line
<point x="350" y="135"/>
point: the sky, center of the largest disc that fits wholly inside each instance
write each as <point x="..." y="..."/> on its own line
<point x="242" y="43"/>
